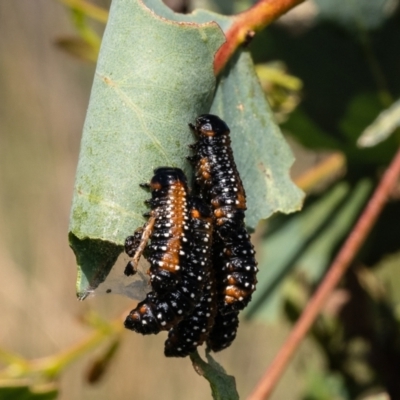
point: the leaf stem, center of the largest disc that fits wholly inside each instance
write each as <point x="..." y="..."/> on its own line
<point x="247" y="23"/>
<point x="19" y="363"/>
<point x="50" y="367"/>
<point x="338" y="267"/>
<point x="53" y="365"/>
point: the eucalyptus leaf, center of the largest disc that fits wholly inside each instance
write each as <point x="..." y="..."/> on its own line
<point x="15" y="391"/>
<point x="317" y="256"/>
<point x="223" y="386"/>
<point x="153" y="77"/>
<point x="382" y="127"/>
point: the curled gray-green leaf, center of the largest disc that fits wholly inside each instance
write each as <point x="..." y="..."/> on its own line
<point x="153" y="77"/>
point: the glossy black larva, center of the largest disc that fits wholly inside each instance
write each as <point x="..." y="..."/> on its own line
<point x="167" y="228"/>
<point x="202" y="263"/>
<point x="237" y="272"/>
<point x="155" y="314"/>
<point x="193" y="330"/>
<point x="161" y="311"/>
<point x="223" y="333"/>
<point x="226" y="321"/>
<point x="201" y="234"/>
<point x="220" y="184"/>
<point x="216" y="173"/>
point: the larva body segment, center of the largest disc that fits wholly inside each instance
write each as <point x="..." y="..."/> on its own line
<point x="238" y="272"/>
<point x="224" y="331"/>
<point x="193" y="330"/>
<point x="167" y="228"/>
<point x="155" y="314"/>
<point x="170" y="237"/>
<point x="162" y="310"/>
<point x="202" y="263"/>
<point x="220" y="184"/>
<point x="217" y="174"/>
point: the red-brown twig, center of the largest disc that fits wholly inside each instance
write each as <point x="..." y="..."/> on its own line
<point x="332" y="278"/>
<point x="247" y="23"/>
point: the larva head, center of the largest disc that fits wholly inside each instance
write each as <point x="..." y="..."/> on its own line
<point x="210" y="125"/>
<point x="167" y="176"/>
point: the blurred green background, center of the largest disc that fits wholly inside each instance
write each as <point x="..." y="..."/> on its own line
<point x="345" y="63"/>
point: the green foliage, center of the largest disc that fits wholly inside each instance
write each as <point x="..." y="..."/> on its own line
<point x="37" y="379"/>
<point x="345" y="57"/>
<point x="86" y="45"/>
<point x="318" y="228"/>
<point x="385" y="124"/>
<point x="22" y="392"/>
<point x="223" y="386"/>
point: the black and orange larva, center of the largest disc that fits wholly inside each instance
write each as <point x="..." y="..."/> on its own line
<point x="201" y="233"/>
<point x="220" y="184"/>
<point x="188" y="298"/>
<point x="155" y="314"/>
<point x="167" y="228"/>
<point x="236" y="272"/>
<point x="223" y="333"/>
<point x="216" y="173"/>
<point x="226" y="321"/>
<point x="163" y="310"/>
<point x="193" y="330"/>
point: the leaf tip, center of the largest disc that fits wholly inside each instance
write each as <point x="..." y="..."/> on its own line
<point x="95" y="259"/>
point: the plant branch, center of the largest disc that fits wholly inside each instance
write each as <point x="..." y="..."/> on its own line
<point x="247" y="23"/>
<point x="338" y="267"/>
<point x="51" y="366"/>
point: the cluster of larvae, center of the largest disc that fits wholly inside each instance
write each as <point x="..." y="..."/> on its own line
<point x="202" y="265"/>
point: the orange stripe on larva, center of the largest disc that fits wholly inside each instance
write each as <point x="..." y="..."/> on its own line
<point x="178" y="197"/>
